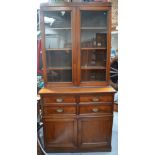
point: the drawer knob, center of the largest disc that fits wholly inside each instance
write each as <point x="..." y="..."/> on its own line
<point x="59" y="100"/>
<point x="95" y="110"/>
<point x="95" y="99"/>
<point x="60" y="110"/>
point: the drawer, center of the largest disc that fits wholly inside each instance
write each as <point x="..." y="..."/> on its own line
<point x="97" y="98"/>
<point x="59" y="109"/>
<point x="95" y="108"/>
<point x="59" y="99"/>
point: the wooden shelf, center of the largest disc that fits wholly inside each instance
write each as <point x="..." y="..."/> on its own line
<point x="92" y="67"/>
<point x="93" y="28"/>
<point x="59" y="68"/>
<point x="93" y="48"/>
<point x="58" y="49"/>
<point x="63" y="28"/>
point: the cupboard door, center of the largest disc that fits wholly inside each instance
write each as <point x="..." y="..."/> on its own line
<point x="58" y="45"/>
<point x="60" y="133"/>
<point x="94" y="50"/>
<point x="93" y="45"/>
<point x="95" y="132"/>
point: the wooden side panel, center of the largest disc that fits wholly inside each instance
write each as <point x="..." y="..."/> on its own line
<point x="95" y="132"/>
<point x="60" y="133"/>
<point x="43" y="46"/>
<point x="108" y="46"/>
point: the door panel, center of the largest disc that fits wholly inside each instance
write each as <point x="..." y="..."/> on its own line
<point x="60" y="133"/>
<point x="95" y="132"/>
<point x="94" y="47"/>
<point x="58" y="45"/>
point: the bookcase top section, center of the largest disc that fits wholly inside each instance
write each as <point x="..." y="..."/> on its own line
<point x="70" y="4"/>
<point x="77" y="90"/>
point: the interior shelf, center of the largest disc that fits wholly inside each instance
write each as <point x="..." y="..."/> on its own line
<point x="58" y="49"/>
<point x="57" y="28"/>
<point x="93" y="48"/>
<point x="92" y="67"/>
<point x="59" y="68"/>
<point x="93" y="28"/>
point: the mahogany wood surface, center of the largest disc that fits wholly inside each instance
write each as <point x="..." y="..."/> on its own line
<point x="44" y="6"/>
<point x="75" y="9"/>
<point x="60" y="133"/>
<point x="59" y="99"/>
<point x="60" y="109"/>
<point x="97" y="98"/>
<point x="77" y="115"/>
<point x="76" y="90"/>
<point x="95" y="132"/>
<point x="95" y="108"/>
<point x="88" y="121"/>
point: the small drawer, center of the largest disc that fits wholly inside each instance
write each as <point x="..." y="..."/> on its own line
<point x="59" y="99"/>
<point x="95" y="108"/>
<point x="97" y="98"/>
<point x="49" y="110"/>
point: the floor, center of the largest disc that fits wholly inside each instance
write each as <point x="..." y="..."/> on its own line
<point x="114" y="142"/>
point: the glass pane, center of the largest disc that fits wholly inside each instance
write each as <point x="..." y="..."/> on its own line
<point x="93" y="29"/>
<point x="93" y="45"/>
<point x="59" y="75"/>
<point x="94" y="19"/>
<point x="93" y="75"/>
<point x="59" y="59"/>
<point x="57" y="29"/>
<point x="93" y="39"/>
<point x="93" y="58"/>
<point x="58" y="46"/>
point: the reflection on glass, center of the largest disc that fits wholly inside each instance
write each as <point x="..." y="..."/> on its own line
<point x="57" y="19"/>
<point x="93" y="75"/>
<point x="57" y="29"/>
<point x="94" y="19"/>
<point x="59" y="59"/>
<point x="93" y="58"/>
<point x="58" y="46"/>
<point x="93" y="45"/>
<point x="93" y="29"/>
<point x="58" y="39"/>
<point x="93" y="39"/>
<point x="59" y="75"/>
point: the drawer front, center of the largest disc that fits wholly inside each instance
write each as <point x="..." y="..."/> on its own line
<point x="59" y="99"/>
<point x="61" y="109"/>
<point x="97" y="98"/>
<point x="92" y="108"/>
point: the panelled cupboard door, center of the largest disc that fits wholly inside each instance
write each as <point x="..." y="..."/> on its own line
<point x="95" y="132"/>
<point x="60" y="133"/>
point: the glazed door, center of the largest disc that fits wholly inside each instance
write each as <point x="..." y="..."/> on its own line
<point x="58" y="45"/>
<point x="60" y="133"/>
<point x="95" y="132"/>
<point x="94" y="47"/>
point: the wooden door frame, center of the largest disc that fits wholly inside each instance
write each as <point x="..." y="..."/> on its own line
<point x="73" y="30"/>
<point x="78" y="34"/>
